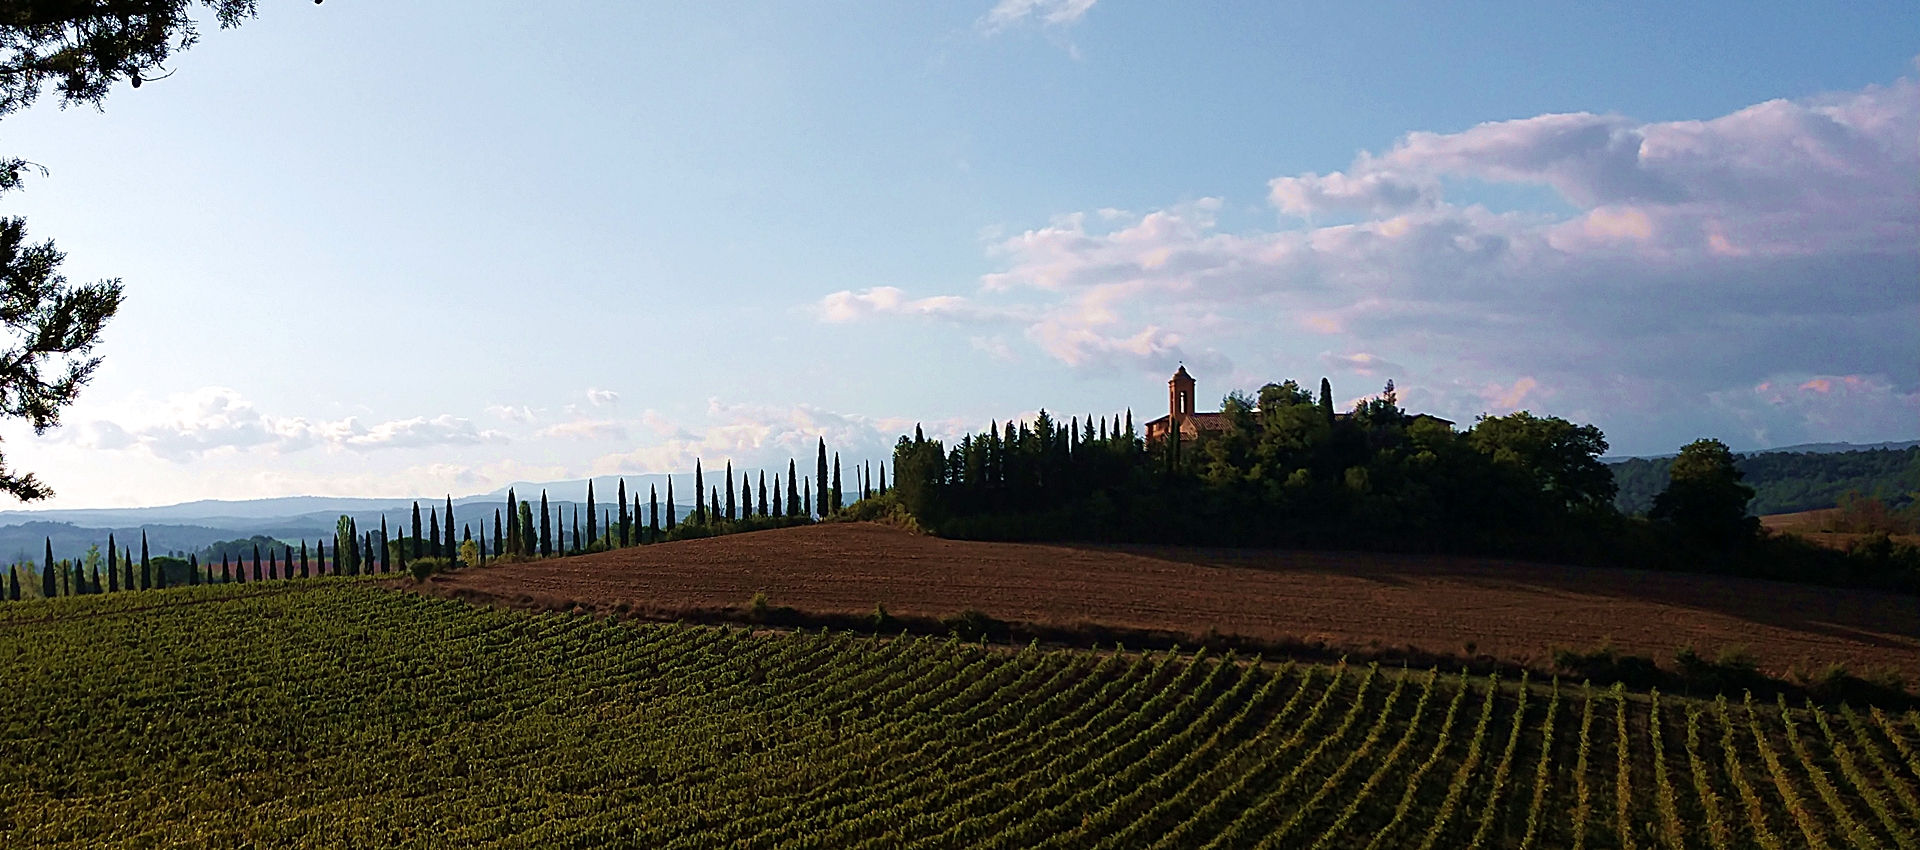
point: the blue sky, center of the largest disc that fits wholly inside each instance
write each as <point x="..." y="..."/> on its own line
<point x="398" y="249"/>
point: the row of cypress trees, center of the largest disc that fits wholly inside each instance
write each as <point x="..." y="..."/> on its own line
<point x="519" y="532"/>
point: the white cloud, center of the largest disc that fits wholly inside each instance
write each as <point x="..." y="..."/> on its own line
<point x="186" y="426"/>
<point x="1693" y="256"/>
<point x="511" y="413"/>
<point x="1362" y="363"/>
<point x="600" y="398"/>
<point x="1054" y="13"/>
<point x="585" y="429"/>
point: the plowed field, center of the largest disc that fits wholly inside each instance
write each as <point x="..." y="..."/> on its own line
<point x="1513" y="611"/>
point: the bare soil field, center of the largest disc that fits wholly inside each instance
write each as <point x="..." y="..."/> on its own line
<point x="1509" y="610"/>
<point x="1812" y="525"/>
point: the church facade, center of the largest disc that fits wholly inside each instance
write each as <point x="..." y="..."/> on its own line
<point x="1191" y="424"/>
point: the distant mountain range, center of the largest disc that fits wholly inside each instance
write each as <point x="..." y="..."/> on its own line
<point x="193" y="526"/>
<point x="1802" y="448"/>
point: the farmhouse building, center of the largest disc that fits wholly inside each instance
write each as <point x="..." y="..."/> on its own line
<point x="1192" y="423"/>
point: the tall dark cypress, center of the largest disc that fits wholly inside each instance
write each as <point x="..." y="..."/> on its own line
<point x="320" y="558"/>
<point x="699" y="486"/>
<point x="883" y="478"/>
<point x="779" y="506"/>
<point x="113" y="565"/>
<point x="273" y="563"/>
<point x="577" y="544"/>
<point x="653" y="513"/>
<point x="638" y="532"/>
<point x="670" y="509"/>
<point x="256" y="560"/>
<point x="593" y="527"/>
<point x="433" y="533"/>
<point x="793" y="490"/>
<point x="193" y="569"/>
<point x="731" y="515"/>
<point x="386" y="547"/>
<point x="499" y="545"/>
<point x="13" y="584"/>
<point x="806" y="494"/>
<point x="546" y="531"/>
<point x="453" y="550"/>
<point x="226" y="570"/>
<point x="369" y="562"/>
<point x="513" y="526"/>
<point x="419" y="542"/>
<point x="303" y="559"/>
<point x="49" y="582"/>
<point x="762" y="501"/>
<point x="746" y="496"/>
<point x="286" y="559"/>
<point x="714" y="509"/>
<point x="823" y="498"/>
<point x="838" y="504"/>
<point x="624" y="520"/>
<point x="146" y="566"/>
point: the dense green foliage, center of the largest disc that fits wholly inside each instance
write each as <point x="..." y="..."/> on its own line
<point x="1786" y="482"/>
<point x="1281" y="468"/>
<point x="357" y="717"/>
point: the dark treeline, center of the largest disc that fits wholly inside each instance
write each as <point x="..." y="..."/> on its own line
<point x="1786" y="482"/>
<point x="1282" y="467"/>
<point x="435" y="537"/>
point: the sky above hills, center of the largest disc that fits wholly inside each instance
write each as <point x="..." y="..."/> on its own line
<point x="432" y="247"/>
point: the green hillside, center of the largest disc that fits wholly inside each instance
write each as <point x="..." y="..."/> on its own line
<point x="331" y="713"/>
<point x="1785" y="482"/>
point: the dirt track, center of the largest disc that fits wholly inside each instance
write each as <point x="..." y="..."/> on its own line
<point x="1511" y="610"/>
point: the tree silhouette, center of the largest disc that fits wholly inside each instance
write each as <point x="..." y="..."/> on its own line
<point x="546" y="535"/>
<point x="820" y="478"/>
<point x="731" y="515"/>
<point x="699" y="487"/>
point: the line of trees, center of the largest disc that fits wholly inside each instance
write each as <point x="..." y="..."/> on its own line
<point x="520" y="531"/>
<point x="1284" y="468"/>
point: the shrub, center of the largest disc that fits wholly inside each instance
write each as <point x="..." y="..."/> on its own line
<point x="1604" y="664"/>
<point x="973" y="625"/>
<point x="424" y="567"/>
<point x="757" y="607"/>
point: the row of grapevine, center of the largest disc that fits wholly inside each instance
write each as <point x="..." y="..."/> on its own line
<point x="337" y="714"/>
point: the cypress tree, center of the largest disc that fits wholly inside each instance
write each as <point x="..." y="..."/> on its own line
<point x="226" y="571"/>
<point x="386" y="545"/>
<point x="256" y="560"/>
<point x="93" y="585"/>
<point x="806" y="493"/>
<point x="670" y="509"/>
<point x="419" y="541"/>
<point x="453" y="551"/>
<point x="715" y="511"/>
<point x="762" y="502"/>
<point x="48" y="580"/>
<point x="286" y="557"/>
<point x="883" y="478"/>
<point x="793" y="490"/>
<point x="625" y="522"/>
<point x="838" y="503"/>
<point x="272" y="563"/>
<point x="303" y="559"/>
<point x="779" y="505"/>
<point x="1130" y="434"/>
<point x="13" y="584"/>
<point x="699" y="504"/>
<point x="113" y="566"/>
<point x="146" y="566"/>
<point x="637" y="530"/>
<point x="368" y="559"/>
<point x="546" y="531"/>
<point x="1326" y="400"/>
<point x="529" y="541"/>
<point x="593" y="529"/>
<point x="433" y="533"/>
<point x="824" y="497"/>
<point x="513" y="525"/>
<point x="653" y="513"/>
<point x="193" y="569"/>
<point x="483" y="546"/>
<point x="731" y="515"/>
<point x="499" y="545"/>
<point x="578" y="544"/>
<point x="320" y="558"/>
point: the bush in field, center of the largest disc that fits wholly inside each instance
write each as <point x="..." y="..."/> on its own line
<point x="425" y="567"/>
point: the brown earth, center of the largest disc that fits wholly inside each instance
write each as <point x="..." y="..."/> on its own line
<point x="1513" y="611"/>
<point x="1812" y="526"/>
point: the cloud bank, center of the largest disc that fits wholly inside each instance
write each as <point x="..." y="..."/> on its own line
<point x="1690" y="262"/>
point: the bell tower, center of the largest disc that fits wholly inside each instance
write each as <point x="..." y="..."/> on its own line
<point x="1179" y="398"/>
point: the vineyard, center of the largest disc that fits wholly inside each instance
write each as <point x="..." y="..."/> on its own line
<point x="333" y="713"/>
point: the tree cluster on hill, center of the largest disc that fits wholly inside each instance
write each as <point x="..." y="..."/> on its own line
<point x="436" y="540"/>
<point x="1284" y="469"/>
<point x="1788" y="482"/>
